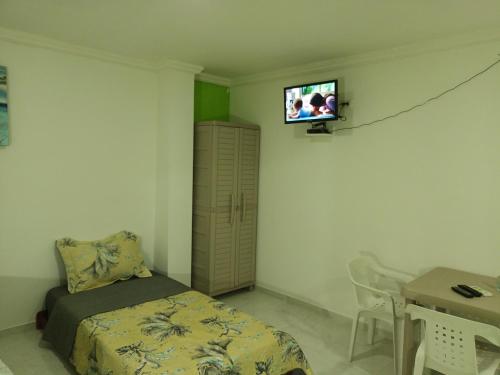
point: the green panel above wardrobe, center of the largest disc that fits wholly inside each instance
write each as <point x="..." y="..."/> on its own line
<point x="211" y="102"/>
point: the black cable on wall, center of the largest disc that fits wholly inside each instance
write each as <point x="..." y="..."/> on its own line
<point x="425" y="102"/>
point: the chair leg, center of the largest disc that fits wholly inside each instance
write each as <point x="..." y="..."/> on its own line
<point x="372" y="325"/>
<point x="395" y="343"/>
<point x="418" y="369"/>
<point x="398" y="339"/>
<point x="354" y="332"/>
<point x="399" y="343"/>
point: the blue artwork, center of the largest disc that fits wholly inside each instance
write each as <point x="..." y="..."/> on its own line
<point x="4" y="116"/>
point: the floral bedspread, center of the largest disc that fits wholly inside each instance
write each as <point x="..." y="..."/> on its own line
<point x="188" y="333"/>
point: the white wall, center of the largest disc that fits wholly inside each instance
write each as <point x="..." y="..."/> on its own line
<point x="419" y="191"/>
<point x="82" y="163"/>
<point x="175" y="174"/>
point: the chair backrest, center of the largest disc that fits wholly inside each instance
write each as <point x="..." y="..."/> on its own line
<point x="449" y="342"/>
<point x="362" y="274"/>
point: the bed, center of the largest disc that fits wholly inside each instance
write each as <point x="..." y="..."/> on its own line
<point x="157" y="326"/>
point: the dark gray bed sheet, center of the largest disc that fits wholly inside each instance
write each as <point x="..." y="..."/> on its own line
<point x="53" y="295"/>
<point x="66" y="310"/>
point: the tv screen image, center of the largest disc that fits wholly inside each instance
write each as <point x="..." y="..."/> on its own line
<point x="311" y="102"/>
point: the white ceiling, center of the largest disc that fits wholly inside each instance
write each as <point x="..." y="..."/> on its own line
<point x="238" y="37"/>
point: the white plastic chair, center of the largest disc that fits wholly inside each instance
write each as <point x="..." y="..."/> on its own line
<point x="378" y="296"/>
<point x="449" y="345"/>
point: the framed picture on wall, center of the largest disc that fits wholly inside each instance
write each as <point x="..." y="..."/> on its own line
<point x="4" y="108"/>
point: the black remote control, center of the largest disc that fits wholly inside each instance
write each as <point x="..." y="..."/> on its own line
<point x="474" y="292"/>
<point x="462" y="292"/>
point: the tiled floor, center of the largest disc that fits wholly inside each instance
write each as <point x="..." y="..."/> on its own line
<point x="323" y="337"/>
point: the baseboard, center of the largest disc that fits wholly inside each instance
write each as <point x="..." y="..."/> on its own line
<point x="387" y="332"/>
<point x="17" y="328"/>
<point x="299" y="300"/>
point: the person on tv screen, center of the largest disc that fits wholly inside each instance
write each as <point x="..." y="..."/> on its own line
<point x="299" y="111"/>
<point x="316" y="102"/>
<point x="329" y="106"/>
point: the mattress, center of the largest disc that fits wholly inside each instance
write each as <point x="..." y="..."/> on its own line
<point x="181" y="332"/>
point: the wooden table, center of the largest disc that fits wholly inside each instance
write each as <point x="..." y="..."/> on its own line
<point x="434" y="288"/>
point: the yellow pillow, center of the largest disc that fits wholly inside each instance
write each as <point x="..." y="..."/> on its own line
<point x="92" y="264"/>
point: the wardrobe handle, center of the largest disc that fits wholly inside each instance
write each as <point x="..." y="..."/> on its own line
<point x="232" y="209"/>
<point x="243" y="206"/>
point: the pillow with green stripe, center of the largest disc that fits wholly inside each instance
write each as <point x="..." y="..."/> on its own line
<point x="92" y="264"/>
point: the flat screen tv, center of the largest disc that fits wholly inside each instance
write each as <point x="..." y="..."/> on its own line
<point x="312" y="102"/>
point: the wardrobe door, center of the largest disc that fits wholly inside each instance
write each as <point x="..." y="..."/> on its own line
<point x="248" y="176"/>
<point x="226" y="160"/>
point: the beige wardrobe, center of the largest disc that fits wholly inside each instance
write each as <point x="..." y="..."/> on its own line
<point x="226" y="172"/>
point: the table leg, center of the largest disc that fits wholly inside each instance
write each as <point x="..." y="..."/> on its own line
<point x="409" y="348"/>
